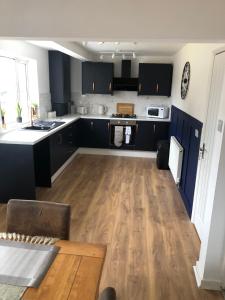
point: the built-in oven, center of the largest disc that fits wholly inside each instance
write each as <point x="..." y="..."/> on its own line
<point x="122" y="134"/>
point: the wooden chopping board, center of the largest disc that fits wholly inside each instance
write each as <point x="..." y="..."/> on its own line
<point x="125" y="108"/>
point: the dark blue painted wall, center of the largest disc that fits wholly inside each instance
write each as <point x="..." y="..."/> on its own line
<point x="187" y="131"/>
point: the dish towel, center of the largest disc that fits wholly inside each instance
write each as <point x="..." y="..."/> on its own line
<point x="118" y="136"/>
<point x="127" y="134"/>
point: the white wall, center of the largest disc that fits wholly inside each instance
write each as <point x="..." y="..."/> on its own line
<point x="38" y="56"/>
<point x="201" y="58"/>
<point x="118" y="19"/>
<point x="110" y="101"/>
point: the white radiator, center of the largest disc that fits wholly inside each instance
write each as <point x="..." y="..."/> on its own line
<point x="175" y="159"/>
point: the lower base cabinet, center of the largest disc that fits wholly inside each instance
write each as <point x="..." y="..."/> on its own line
<point x="51" y="153"/>
<point x="149" y="133"/>
<point x="94" y="133"/>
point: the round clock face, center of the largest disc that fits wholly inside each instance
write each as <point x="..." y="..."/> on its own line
<point x="185" y="80"/>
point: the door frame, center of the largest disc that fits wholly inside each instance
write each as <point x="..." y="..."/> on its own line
<point x="195" y="218"/>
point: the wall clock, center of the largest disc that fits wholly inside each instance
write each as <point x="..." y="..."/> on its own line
<point x="185" y="80"/>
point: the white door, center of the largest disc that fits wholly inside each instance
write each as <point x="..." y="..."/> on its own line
<point x="199" y="208"/>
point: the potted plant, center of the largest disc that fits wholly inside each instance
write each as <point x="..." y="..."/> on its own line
<point x="34" y="110"/>
<point x="2" y="113"/>
<point x="19" y="113"/>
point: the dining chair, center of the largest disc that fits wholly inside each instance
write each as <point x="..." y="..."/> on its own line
<point x="108" y="293"/>
<point x="32" y="217"/>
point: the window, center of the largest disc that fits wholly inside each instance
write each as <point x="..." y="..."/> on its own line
<point x="14" y="89"/>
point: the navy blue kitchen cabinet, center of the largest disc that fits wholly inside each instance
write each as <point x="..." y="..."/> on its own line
<point x="59" y="76"/>
<point x="144" y="139"/>
<point x="155" y="79"/>
<point x="61" y="147"/>
<point x="148" y="133"/>
<point x="97" y="78"/>
<point x="187" y="131"/>
<point x="16" y="172"/>
<point x="51" y="153"/>
<point x="94" y="133"/>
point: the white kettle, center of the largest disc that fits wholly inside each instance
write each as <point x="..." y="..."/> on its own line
<point x="102" y="109"/>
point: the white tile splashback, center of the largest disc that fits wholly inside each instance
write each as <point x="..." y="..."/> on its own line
<point x="44" y="105"/>
<point x="140" y="102"/>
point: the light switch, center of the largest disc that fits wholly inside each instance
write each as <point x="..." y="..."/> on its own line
<point x="220" y="125"/>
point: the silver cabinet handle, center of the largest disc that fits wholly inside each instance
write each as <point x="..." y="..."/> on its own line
<point x="154" y="127"/>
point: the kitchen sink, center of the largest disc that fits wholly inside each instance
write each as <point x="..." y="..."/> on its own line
<point x="43" y="125"/>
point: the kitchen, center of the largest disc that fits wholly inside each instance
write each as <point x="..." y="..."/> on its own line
<point x="90" y="124"/>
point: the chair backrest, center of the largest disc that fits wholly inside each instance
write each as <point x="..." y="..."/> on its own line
<point x="31" y="217"/>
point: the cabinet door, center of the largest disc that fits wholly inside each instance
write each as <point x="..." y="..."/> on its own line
<point x="86" y="133"/>
<point x="103" y="78"/>
<point x="97" y="78"/>
<point x="164" y="79"/>
<point x="88" y="77"/>
<point x="155" y="79"/>
<point x="100" y="131"/>
<point x="94" y="133"/>
<point x="76" y="134"/>
<point x="144" y="136"/>
<point x="59" y="75"/>
<point x="146" y="85"/>
<point x="56" y="72"/>
<point x="161" y="132"/>
<point x="56" y="151"/>
<point x="68" y="142"/>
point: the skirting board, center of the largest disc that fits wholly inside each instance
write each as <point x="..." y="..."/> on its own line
<point x="115" y="152"/>
<point x="60" y="170"/>
<point x="206" y="284"/>
<point x="96" y="151"/>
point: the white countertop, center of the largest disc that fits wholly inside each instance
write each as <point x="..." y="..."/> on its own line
<point x="31" y="137"/>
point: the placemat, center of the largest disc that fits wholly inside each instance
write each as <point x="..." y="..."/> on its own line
<point x="23" y="264"/>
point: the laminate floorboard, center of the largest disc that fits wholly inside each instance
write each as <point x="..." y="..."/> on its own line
<point x="134" y="208"/>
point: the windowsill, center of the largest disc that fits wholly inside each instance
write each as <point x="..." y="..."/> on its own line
<point x="12" y="127"/>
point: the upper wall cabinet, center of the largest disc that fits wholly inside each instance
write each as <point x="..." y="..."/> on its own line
<point x="59" y="75"/>
<point x="155" y="79"/>
<point x="97" y="77"/>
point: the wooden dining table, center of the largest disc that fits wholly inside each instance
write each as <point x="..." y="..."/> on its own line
<point x="74" y="275"/>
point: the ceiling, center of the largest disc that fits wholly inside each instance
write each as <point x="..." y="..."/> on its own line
<point x="140" y="48"/>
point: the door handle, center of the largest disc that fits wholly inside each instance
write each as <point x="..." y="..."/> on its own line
<point x="136" y="128"/>
<point x="93" y="86"/>
<point x="92" y="124"/>
<point x="202" y="151"/>
<point x="110" y="86"/>
<point x="154" y="126"/>
<point x="139" y="87"/>
<point x="108" y="125"/>
<point x="157" y="87"/>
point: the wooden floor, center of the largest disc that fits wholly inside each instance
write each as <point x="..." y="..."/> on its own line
<point x="134" y="208"/>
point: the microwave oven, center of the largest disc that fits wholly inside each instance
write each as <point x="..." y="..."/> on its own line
<point x="160" y="112"/>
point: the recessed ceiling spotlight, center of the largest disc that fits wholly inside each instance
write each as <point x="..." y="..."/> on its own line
<point x="134" y="55"/>
<point x="101" y="56"/>
<point x="84" y="43"/>
<point x="123" y="56"/>
<point x="113" y="55"/>
<point x="100" y="43"/>
<point x="117" y="43"/>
